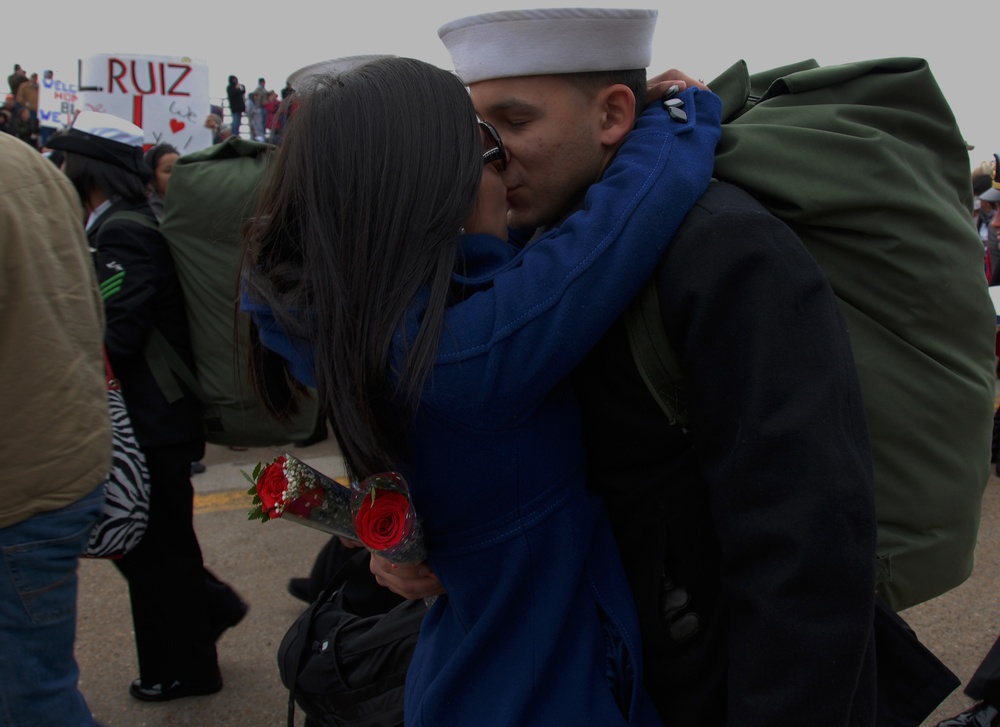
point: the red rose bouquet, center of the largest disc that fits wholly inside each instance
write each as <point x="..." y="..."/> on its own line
<point x="384" y="518"/>
<point x="376" y="511"/>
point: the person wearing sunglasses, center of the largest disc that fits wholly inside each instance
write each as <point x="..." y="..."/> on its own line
<point x="379" y="272"/>
<point x="747" y="536"/>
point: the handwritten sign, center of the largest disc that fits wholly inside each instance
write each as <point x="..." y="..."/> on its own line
<point x="166" y="96"/>
<point x="57" y="102"/>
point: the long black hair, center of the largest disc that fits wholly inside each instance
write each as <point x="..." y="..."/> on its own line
<point x="358" y="218"/>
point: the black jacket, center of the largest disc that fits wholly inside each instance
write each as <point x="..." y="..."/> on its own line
<point x="764" y="512"/>
<point x="141" y="291"/>
<point x="237" y="98"/>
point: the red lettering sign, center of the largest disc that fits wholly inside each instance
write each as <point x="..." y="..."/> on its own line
<point x="142" y="78"/>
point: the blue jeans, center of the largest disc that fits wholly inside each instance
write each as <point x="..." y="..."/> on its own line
<point x="237" y="120"/>
<point x="43" y="135"/>
<point x="38" y="591"/>
<point x="259" y="124"/>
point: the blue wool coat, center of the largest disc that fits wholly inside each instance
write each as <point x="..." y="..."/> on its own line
<point x="538" y="626"/>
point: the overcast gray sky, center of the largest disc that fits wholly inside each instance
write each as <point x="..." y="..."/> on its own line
<point x="253" y="39"/>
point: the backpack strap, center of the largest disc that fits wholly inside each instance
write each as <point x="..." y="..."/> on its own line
<point x="655" y="358"/>
<point x="168" y="369"/>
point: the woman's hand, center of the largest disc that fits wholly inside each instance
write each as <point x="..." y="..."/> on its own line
<point x="658" y="85"/>
<point x="409" y="581"/>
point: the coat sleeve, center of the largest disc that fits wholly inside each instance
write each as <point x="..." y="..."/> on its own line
<point x="541" y="316"/>
<point x="780" y="437"/>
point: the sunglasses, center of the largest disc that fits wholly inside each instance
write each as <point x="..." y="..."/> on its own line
<point x="495" y="153"/>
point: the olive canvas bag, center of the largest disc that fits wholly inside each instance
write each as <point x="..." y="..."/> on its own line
<point x="211" y="196"/>
<point x="866" y="164"/>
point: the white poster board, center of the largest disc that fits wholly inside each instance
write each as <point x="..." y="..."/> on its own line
<point x="166" y="96"/>
<point x="57" y="102"/>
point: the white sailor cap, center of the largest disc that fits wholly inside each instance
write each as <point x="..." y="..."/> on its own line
<point x="545" y="41"/>
<point x="106" y="137"/>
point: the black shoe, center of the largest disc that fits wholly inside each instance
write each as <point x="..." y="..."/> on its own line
<point x="176" y="690"/>
<point x="197" y="468"/>
<point x="233" y="617"/>
<point x="299" y="587"/>
<point x="980" y="714"/>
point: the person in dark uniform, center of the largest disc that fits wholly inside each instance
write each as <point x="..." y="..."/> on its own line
<point x="749" y="539"/>
<point x="236" y="92"/>
<point x="179" y="609"/>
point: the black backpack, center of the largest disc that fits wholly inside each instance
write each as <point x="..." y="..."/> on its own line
<point x="344" y="659"/>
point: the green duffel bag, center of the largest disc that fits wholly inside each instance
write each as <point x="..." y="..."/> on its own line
<point x="211" y="195"/>
<point x="865" y="162"/>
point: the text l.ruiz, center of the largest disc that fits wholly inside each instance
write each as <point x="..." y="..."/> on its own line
<point x="147" y="77"/>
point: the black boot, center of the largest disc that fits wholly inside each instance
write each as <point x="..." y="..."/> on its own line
<point x="981" y="714"/>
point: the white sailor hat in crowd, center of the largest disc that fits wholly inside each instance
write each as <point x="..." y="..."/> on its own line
<point x="993" y="194"/>
<point x="544" y="41"/>
<point x="299" y="80"/>
<point x="105" y="137"/>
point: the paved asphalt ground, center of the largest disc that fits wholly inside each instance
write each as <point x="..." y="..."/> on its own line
<point x="258" y="559"/>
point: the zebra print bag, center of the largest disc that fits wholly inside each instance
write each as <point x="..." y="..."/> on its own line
<point x="126" y="491"/>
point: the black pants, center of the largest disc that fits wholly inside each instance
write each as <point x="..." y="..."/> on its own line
<point x="985" y="683"/>
<point x="168" y="584"/>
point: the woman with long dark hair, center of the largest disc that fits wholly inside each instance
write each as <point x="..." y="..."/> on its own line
<point x="378" y="269"/>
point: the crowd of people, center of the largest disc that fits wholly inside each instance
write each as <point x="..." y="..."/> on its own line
<point x="19" y="114"/>
<point x="472" y="303"/>
<point x="265" y="115"/>
<point x="259" y="115"/>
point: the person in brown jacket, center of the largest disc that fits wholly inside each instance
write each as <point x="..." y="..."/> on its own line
<point x="56" y="435"/>
<point x="27" y="94"/>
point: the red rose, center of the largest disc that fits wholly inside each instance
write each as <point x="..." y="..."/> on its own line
<point x="381" y="521"/>
<point x="302" y="504"/>
<point x="271" y="486"/>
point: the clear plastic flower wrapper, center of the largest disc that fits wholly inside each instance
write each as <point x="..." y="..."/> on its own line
<point x="377" y="511"/>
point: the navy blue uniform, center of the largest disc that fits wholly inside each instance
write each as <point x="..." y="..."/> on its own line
<point x="764" y="512"/>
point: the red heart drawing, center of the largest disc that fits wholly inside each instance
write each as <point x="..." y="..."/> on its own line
<point x="176" y="125"/>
